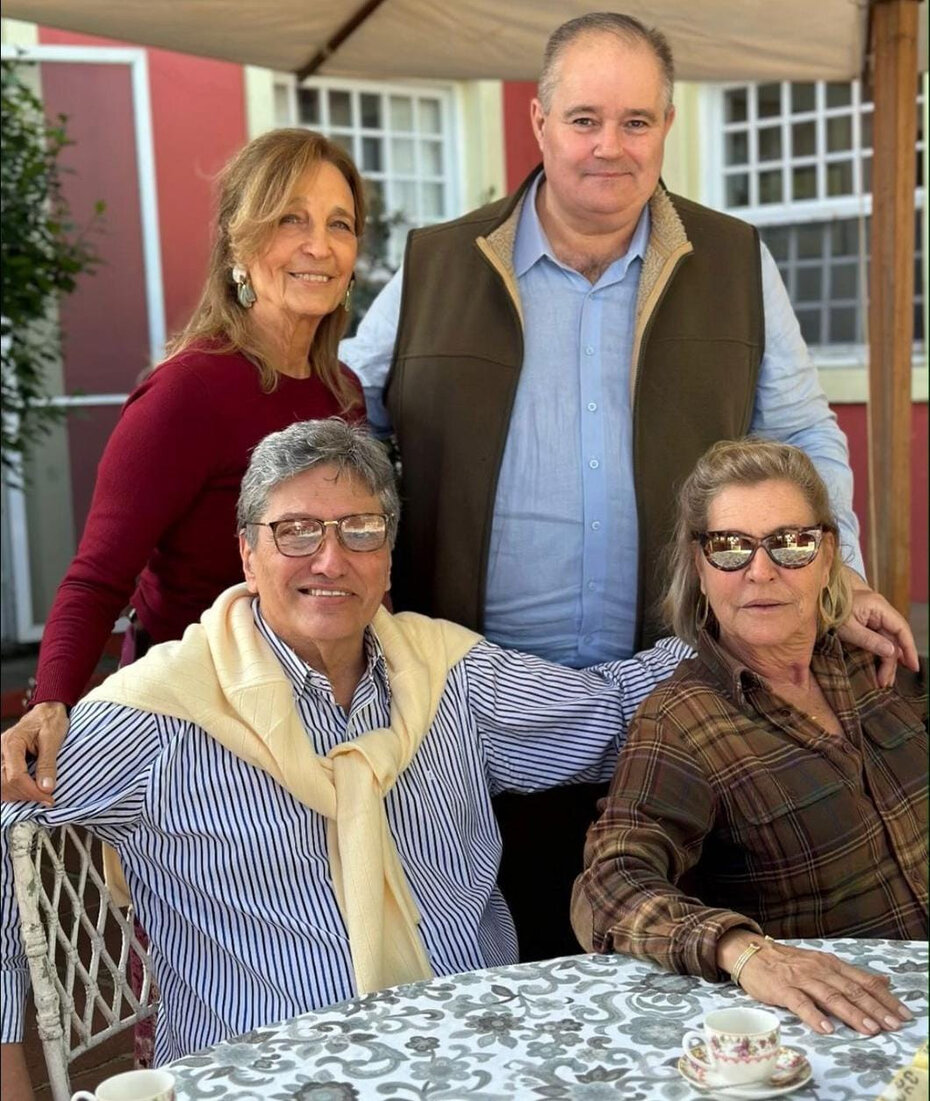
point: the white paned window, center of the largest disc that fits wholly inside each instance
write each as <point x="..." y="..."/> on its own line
<point x="401" y="138"/>
<point x="796" y="160"/>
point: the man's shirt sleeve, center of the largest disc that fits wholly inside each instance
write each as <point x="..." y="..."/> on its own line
<point x="370" y="352"/>
<point x="543" y="724"/>
<point x="103" y="773"/>
<point x="792" y="407"/>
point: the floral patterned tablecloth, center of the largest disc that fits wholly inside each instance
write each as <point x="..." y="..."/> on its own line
<point x="588" y="1028"/>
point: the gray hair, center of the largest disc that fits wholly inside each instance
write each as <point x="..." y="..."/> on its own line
<point x="350" y="449"/>
<point x="744" y="463"/>
<point x="624" y="27"/>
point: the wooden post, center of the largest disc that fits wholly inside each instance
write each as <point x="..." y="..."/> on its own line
<point x="891" y="296"/>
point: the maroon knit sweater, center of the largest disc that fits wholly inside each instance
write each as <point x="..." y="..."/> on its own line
<point x="161" y="531"/>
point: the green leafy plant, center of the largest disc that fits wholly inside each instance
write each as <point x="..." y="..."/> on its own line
<point x="42" y="256"/>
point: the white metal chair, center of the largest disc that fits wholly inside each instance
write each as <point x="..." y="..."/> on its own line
<point x="81" y="992"/>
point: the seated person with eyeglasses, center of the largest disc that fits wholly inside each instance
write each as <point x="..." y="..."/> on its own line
<point x="299" y="789"/>
<point x="771" y="788"/>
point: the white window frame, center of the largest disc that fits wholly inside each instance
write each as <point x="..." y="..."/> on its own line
<point x="450" y="134"/>
<point x="803" y="211"/>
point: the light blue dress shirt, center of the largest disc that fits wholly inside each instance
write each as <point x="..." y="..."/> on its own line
<point x="562" y="568"/>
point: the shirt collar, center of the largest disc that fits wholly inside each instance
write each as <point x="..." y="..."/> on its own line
<point x="304" y="677"/>
<point x="531" y="243"/>
<point x="737" y="677"/>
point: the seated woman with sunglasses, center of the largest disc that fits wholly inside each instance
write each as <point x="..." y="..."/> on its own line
<point x="770" y="788"/>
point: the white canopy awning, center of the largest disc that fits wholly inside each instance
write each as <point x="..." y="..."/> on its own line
<point x="715" y="40"/>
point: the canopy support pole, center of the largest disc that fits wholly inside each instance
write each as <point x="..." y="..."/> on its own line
<point x="891" y="296"/>
<point x="348" y="27"/>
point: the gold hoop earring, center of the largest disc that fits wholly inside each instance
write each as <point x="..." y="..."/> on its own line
<point x="701" y="612"/>
<point x="347" y="301"/>
<point x="826" y="607"/>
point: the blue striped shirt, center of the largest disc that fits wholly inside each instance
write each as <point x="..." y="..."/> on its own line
<point x="229" y="872"/>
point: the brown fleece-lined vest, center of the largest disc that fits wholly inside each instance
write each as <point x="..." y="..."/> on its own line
<point x="697" y="347"/>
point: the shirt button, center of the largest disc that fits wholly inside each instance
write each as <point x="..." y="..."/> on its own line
<point x="589" y="639"/>
<point x="592" y="406"/>
<point x="595" y="525"/>
<point x="594" y="464"/>
<point x="589" y="351"/>
<point x="592" y="585"/>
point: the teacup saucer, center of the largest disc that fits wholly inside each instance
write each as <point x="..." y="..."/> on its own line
<point x="791" y="1072"/>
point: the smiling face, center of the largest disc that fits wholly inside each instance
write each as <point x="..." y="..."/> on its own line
<point x="319" y="605"/>
<point x="603" y="136"/>
<point x="304" y="270"/>
<point x="764" y="607"/>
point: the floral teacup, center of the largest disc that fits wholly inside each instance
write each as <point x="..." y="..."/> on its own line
<point x="738" y="1046"/>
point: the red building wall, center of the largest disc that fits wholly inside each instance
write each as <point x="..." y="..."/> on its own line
<point x="198" y="120"/>
<point x="522" y="154"/>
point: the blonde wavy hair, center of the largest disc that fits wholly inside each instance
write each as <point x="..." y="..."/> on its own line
<point x="745" y="463"/>
<point x="255" y="188"/>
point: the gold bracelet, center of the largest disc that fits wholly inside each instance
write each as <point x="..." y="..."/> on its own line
<point x="744" y="957"/>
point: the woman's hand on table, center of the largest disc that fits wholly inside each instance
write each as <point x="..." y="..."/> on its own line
<point x="39" y="732"/>
<point x="817" y="986"/>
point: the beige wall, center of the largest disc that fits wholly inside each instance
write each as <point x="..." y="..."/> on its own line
<point x="683" y="167"/>
<point x="13" y="32"/>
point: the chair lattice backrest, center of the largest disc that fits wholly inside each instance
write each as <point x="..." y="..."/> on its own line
<point x="70" y="926"/>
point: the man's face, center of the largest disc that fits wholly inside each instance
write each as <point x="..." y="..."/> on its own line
<point x="322" y="603"/>
<point x="603" y="136"/>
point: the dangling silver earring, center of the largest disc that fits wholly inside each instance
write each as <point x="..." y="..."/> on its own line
<point x="245" y="293"/>
<point x="347" y="301"/>
<point x="701" y="612"/>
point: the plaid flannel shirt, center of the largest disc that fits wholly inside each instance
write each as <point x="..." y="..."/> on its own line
<point x="730" y="808"/>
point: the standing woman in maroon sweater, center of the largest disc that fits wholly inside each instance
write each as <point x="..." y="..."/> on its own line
<point x="259" y="353"/>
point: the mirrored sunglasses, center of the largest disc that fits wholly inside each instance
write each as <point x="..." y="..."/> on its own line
<point x="790" y="548"/>
<point x="363" y="532"/>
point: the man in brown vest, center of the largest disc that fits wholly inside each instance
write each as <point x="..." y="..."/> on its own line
<point x="553" y="364"/>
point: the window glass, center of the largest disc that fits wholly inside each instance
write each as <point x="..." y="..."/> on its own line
<point x="803" y="139"/>
<point x="770" y="187"/>
<point x="735" y="105"/>
<point x="796" y="159"/>
<point x="768" y="100"/>
<point x="340" y="108"/>
<point x="803" y="97"/>
<point x="370" y="106"/>
<point x="401" y="113"/>
<point x="308" y="106"/>
<point x="737" y="147"/>
<point x="770" y="143"/>
<point x="403" y="152"/>
<point x="400" y="141"/>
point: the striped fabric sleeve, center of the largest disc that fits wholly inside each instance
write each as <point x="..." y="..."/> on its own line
<point x="543" y="724"/>
<point x="109" y="799"/>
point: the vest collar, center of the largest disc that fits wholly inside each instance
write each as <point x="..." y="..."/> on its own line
<point x="668" y="245"/>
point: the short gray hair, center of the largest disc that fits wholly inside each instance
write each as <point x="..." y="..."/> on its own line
<point x="744" y="462"/>
<point x="351" y="450"/>
<point x="624" y="27"/>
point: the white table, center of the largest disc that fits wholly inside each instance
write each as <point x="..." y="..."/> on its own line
<point x="584" y="1028"/>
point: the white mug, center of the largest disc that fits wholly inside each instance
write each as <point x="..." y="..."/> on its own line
<point x="133" y="1085"/>
<point x="739" y="1046"/>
